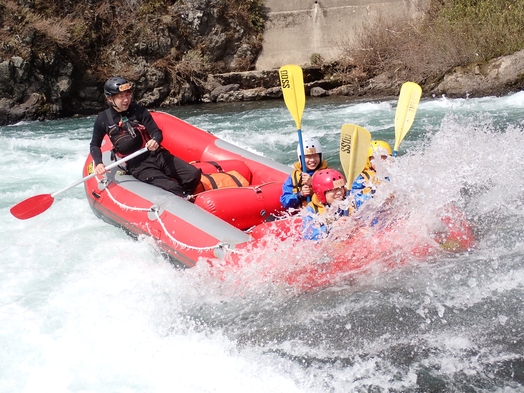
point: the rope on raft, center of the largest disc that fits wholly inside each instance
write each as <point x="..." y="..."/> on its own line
<point x="155" y="210"/>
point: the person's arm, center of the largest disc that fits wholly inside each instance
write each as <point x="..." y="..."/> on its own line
<point x="95" y="144"/>
<point x="149" y="123"/>
<point x="306" y="191"/>
<point x="289" y="199"/>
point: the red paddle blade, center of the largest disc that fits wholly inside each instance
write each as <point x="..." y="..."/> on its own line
<point x="33" y="206"/>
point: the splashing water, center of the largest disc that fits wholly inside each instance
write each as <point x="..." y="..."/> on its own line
<point x="86" y="308"/>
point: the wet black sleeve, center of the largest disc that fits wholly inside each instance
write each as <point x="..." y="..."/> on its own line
<point x="99" y="132"/>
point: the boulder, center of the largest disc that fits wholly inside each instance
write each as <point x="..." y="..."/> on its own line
<point x="496" y="77"/>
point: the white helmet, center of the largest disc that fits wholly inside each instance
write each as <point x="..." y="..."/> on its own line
<point x="311" y="146"/>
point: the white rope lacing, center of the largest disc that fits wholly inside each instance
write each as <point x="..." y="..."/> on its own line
<point x="155" y="210"/>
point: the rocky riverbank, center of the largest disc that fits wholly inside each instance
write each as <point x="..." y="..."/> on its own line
<point x="497" y="77"/>
<point x="187" y="52"/>
<point x="55" y="56"/>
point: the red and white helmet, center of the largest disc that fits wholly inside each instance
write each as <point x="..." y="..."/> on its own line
<point x="325" y="180"/>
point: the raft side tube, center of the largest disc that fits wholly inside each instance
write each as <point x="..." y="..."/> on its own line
<point x="242" y="207"/>
<point x="211" y="148"/>
<point x="181" y="209"/>
<point x="136" y="194"/>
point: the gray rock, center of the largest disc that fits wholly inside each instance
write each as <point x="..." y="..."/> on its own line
<point x="221" y="91"/>
<point x="318" y="92"/>
<point x="494" y="77"/>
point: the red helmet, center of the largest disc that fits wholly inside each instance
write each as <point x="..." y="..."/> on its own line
<point x="325" y="180"/>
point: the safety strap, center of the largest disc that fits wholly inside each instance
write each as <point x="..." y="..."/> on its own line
<point x="216" y="165"/>
<point x="111" y="123"/>
<point x="214" y="183"/>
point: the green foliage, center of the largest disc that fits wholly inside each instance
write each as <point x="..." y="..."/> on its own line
<point x="492" y="27"/>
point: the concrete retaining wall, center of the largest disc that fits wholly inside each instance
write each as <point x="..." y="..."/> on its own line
<point x="299" y="28"/>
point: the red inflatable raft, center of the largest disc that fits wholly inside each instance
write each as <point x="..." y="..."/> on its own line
<point x="225" y="226"/>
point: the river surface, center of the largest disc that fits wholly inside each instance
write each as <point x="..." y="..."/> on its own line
<point x="86" y="308"/>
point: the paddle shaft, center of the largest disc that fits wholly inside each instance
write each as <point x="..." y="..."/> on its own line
<point x="302" y="157"/>
<point x="292" y="82"/>
<point x="38" y="204"/>
<point x="110" y="166"/>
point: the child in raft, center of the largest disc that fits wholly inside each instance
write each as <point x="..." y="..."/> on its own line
<point x="366" y="183"/>
<point x="297" y="188"/>
<point x="327" y="205"/>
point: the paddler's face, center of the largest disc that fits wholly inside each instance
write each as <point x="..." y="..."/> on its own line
<point x="312" y="161"/>
<point x="122" y="100"/>
<point x="336" y="194"/>
<point x="378" y="154"/>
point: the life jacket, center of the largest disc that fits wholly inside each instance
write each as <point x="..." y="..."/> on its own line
<point x="213" y="181"/>
<point x="371" y="181"/>
<point x="296" y="177"/>
<point x="317" y="206"/>
<point x="127" y="136"/>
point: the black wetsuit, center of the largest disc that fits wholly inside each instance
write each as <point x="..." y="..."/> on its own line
<point x="158" y="167"/>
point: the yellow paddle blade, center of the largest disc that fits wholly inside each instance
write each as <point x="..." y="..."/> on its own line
<point x="354" y="146"/>
<point x="292" y="82"/>
<point x="406" y="109"/>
